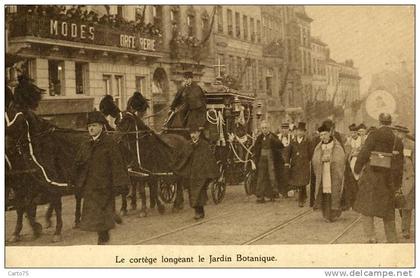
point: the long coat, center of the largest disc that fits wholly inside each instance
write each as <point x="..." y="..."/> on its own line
<point x="300" y="160"/>
<point x="199" y="170"/>
<point x="99" y="171"/>
<point x="408" y="182"/>
<point x="337" y="166"/>
<point x="276" y="147"/>
<point x="377" y="186"/>
<point x="190" y="103"/>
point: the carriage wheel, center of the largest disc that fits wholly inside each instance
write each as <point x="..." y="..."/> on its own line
<point x="167" y="191"/>
<point x="249" y="190"/>
<point x="218" y="190"/>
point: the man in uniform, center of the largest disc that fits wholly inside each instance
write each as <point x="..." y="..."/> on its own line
<point x="188" y="108"/>
<point x="378" y="184"/>
<point x="99" y="171"/>
<point x="301" y="155"/>
<point x="269" y="162"/>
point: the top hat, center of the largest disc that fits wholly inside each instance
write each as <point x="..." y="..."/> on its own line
<point x="301" y="126"/>
<point x="188" y="74"/>
<point x="96" y="117"/>
<point x="324" y="127"/>
<point x="285" y="125"/>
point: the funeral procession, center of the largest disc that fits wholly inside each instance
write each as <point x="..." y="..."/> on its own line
<point x="205" y="125"/>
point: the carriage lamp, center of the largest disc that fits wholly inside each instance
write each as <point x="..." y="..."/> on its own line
<point x="236" y="105"/>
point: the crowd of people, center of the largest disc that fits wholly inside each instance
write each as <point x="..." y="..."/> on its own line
<point x="370" y="172"/>
<point x="79" y="13"/>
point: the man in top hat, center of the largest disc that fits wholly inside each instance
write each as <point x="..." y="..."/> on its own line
<point x="269" y="164"/>
<point x="99" y="173"/>
<point x="378" y="185"/>
<point x="352" y="148"/>
<point x="300" y="163"/>
<point x="408" y="182"/>
<point x="285" y="138"/>
<point x="188" y="108"/>
<point x="328" y="163"/>
<point x="200" y="170"/>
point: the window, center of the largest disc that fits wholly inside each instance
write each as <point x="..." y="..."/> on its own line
<point x="139" y="13"/>
<point x="230" y="22"/>
<point x="140" y="84"/>
<point x="55" y="77"/>
<point x="120" y="11"/>
<point x="238" y="25"/>
<point x="268" y="85"/>
<point x="107" y="84"/>
<point x="191" y="25"/>
<point x="157" y="15"/>
<point x="119" y="86"/>
<point x="260" y="76"/>
<point x="245" y="23"/>
<point x="252" y="29"/>
<point x="220" y="19"/>
<point x="254" y="75"/>
<point x="258" y="31"/>
<point x="81" y="69"/>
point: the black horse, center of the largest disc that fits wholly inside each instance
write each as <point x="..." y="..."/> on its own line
<point x="147" y="152"/>
<point x="40" y="158"/>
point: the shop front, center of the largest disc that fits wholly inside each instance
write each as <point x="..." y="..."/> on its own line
<point x="78" y="61"/>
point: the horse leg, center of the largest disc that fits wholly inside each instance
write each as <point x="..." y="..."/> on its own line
<point x="142" y="189"/>
<point x="133" y="195"/>
<point x="48" y="216"/>
<point x="36" y="227"/>
<point x="19" y="224"/>
<point x="153" y="186"/>
<point x="123" y="209"/>
<point x="58" y="214"/>
<point x="77" y="213"/>
<point x="179" y="196"/>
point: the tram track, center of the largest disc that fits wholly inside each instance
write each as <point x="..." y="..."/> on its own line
<point x="346" y="230"/>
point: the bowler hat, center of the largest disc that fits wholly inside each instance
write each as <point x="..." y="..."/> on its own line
<point x="96" y="117"/>
<point x="353" y="127"/>
<point x="301" y="126"/>
<point x="188" y="74"/>
<point x="361" y="126"/>
<point x="385" y="118"/>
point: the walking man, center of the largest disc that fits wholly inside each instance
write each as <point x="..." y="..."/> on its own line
<point x="328" y="163"/>
<point x="285" y="139"/>
<point x="379" y="182"/>
<point x="269" y="163"/>
<point x="300" y="163"/>
<point x="200" y="170"/>
<point x="99" y="173"/>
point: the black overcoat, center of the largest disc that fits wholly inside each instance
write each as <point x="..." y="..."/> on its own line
<point x="300" y="162"/>
<point x="99" y="173"/>
<point x="276" y="147"/>
<point x="377" y="186"/>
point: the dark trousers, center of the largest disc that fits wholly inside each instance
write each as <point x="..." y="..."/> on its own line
<point x="406" y="215"/>
<point x="266" y="184"/>
<point x="389" y="227"/>
<point x="103" y="237"/>
<point x="302" y="195"/>
<point x="328" y="213"/>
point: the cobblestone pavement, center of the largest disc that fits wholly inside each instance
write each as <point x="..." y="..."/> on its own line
<point x="238" y="219"/>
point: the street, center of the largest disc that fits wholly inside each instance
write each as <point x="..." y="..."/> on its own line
<point x="237" y="220"/>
